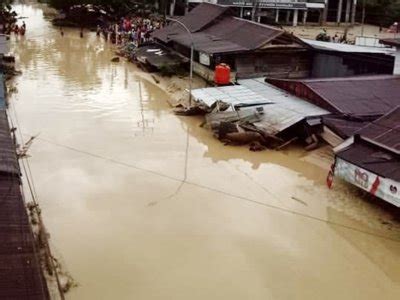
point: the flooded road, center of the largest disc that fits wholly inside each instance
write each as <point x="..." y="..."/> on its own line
<point x="142" y="204"/>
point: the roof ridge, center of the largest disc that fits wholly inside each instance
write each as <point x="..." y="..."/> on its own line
<point x="260" y="24"/>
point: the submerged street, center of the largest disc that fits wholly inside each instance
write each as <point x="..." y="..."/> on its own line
<point x="143" y="204"/>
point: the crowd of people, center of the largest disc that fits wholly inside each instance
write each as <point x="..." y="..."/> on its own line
<point x="136" y="30"/>
<point x="10" y="25"/>
<point x="15" y="28"/>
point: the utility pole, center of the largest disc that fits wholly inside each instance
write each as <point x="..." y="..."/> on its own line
<point x="191" y="54"/>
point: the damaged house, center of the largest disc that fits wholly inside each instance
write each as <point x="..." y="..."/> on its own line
<point x="352" y="101"/>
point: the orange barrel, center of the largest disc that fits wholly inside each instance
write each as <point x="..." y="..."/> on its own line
<point x="222" y="74"/>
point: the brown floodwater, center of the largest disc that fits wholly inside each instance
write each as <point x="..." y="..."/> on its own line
<point x="142" y="204"/>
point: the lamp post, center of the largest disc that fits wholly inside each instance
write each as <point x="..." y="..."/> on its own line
<point x="191" y="55"/>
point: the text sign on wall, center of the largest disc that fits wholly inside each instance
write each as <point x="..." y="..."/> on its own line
<point x="265" y="4"/>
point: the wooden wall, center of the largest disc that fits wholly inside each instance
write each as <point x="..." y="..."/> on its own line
<point x="276" y="64"/>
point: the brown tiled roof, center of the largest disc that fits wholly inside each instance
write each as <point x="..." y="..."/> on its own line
<point x="198" y="18"/>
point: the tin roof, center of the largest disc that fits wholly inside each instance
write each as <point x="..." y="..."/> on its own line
<point x="342" y="126"/>
<point x="199" y="17"/>
<point x="21" y="276"/>
<point x="8" y="157"/>
<point x="3" y="103"/>
<point x="215" y="30"/>
<point x="372" y="158"/>
<point x="282" y="111"/>
<point x="385" y="131"/>
<point x="363" y="96"/>
<point x="338" y="47"/>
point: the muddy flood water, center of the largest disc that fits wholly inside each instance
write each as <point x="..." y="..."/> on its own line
<point x="142" y="204"/>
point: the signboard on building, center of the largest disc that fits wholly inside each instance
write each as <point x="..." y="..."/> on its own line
<point x="384" y="188"/>
<point x="204" y="58"/>
<point x="278" y="4"/>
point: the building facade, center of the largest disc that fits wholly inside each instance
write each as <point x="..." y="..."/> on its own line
<point x="292" y="12"/>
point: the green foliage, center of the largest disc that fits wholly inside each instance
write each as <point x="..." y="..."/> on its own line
<point x="381" y="12"/>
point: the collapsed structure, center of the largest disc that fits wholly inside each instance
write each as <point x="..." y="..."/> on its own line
<point x="352" y="101"/>
<point x="284" y="88"/>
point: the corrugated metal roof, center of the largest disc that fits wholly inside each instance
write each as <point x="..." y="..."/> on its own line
<point x="198" y="18"/>
<point x="8" y="157"/>
<point x="219" y="32"/>
<point x="209" y="44"/>
<point x="338" y="47"/>
<point x="355" y="96"/>
<point x="342" y="126"/>
<point x="235" y="94"/>
<point x="287" y="109"/>
<point x="202" y="15"/>
<point x="372" y="158"/>
<point x="384" y="131"/>
<point x="21" y="276"/>
<point x="3" y="103"/>
<point x="248" y="34"/>
<point x="283" y="111"/>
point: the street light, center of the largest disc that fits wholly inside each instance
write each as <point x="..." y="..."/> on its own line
<point x="191" y="55"/>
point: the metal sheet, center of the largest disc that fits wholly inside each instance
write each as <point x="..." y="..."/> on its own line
<point x="21" y="276"/>
<point x="384" y="131"/>
<point x="222" y="33"/>
<point x="338" y="47"/>
<point x="8" y="157"/>
<point x="283" y="110"/>
<point x="362" y="96"/>
<point x="234" y="95"/>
